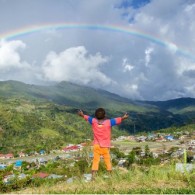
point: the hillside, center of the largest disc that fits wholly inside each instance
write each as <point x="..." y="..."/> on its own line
<point x="47" y="113"/>
<point x="176" y="106"/>
<point x="65" y="93"/>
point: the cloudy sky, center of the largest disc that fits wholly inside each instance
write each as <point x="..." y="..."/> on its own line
<point x="140" y="49"/>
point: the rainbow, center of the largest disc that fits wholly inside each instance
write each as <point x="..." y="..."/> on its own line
<point x="28" y="30"/>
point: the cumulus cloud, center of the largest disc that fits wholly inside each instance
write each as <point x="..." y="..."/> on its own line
<point x="158" y="65"/>
<point x="75" y="65"/>
<point x="10" y="57"/>
<point x="169" y="72"/>
<point x="12" y="65"/>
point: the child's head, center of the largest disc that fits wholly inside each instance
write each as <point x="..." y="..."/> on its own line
<point x="100" y="113"/>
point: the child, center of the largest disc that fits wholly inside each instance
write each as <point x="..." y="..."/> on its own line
<point x="102" y="136"/>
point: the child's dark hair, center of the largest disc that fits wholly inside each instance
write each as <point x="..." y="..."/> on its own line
<point x="100" y="113"/>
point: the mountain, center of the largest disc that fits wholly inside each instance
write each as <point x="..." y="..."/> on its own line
<point x="47" y="114"/>
<point x="180" y="105"/>
<point x="146" y="114"/>
<point x="70" y="94"/>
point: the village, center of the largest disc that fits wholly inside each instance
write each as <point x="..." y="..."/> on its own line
<point x="164" y="147"/>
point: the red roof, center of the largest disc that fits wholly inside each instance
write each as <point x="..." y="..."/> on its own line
<point x="71" y="148"/>
<point x="9" y="155"/>
<point x="41" y="175"/>
<point x="84" y="144"/>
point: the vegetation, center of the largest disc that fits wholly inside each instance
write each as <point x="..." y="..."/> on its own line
<point x="33" y="118"/>
<point x="139" y="174"/>
<point x="136" y="180"/>
<point x="47" y="113"/>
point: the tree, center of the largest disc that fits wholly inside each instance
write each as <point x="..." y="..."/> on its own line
<point x="131" y="158"/>
<point x="117" y="152"/>
<point x="147" y="151"/>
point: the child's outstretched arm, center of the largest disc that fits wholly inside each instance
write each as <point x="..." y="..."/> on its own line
<point x="86" y="117"/>
<point x="118" y="120"/>
<point x="80" y="113"/>
<point x="125" y="116"/>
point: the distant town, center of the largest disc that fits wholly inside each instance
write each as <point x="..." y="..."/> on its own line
<point x="161" y="145"/>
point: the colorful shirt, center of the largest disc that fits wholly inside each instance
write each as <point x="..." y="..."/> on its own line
<point x="102" y="129"/>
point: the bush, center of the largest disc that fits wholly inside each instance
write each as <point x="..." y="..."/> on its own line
<point x="14" y="184"/>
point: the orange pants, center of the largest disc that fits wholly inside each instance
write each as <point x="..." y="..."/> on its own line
<point x="97" y="152"/>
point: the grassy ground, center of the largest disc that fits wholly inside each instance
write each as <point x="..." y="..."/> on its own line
<point x="138" y="180"/>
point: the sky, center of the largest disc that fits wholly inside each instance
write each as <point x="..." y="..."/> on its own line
<point x="139" y="49"/>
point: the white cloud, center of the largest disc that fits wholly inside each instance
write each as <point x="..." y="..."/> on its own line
<point x="75" y="65"/>
<point x="126" y="67"/>
<point x="10" y="57"/>
<point x="148" y="52"/>
<point x="184" y="65"/>
<point x="155" y="67"/>
<point x="132" y="89"/>
<point x="12" y="65"/>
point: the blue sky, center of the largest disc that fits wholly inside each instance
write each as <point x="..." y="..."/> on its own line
<point x="154" y="61"/>
<point x="135" y="4"/>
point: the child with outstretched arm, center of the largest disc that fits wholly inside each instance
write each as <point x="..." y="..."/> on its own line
<point x="102" y="136"/>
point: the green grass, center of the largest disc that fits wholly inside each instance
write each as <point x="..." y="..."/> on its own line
<point x="137" y="180"/>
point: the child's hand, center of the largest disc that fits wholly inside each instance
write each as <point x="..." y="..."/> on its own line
<point x="80" y="113"/>
<point x="125" y="116"/>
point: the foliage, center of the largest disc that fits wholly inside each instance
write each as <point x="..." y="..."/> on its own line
<point x="147" y="180"/>
<point x="117" y="153"/>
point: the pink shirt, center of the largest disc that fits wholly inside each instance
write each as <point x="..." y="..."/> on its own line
<point x="102" y="129"/>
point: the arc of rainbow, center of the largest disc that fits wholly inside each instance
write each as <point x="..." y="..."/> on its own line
<point x="120" y="29"/>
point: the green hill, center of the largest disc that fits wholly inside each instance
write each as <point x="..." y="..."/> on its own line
<point x="48" y="114"/>
<point x="77" y="96"/>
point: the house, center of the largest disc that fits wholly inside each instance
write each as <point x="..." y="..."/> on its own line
<point x="131" y="138"/>
<point x="2" y="156"/>
<point x="182" y="137"/>
<point x="150" y="138"/>
<point x="120" y="138"/>
<point x="18" y="165"/>
<point x="160" y="139"/>
<point x="40" y="175"/>
<point x="83" y="144"/>
<point x="21" y="154"/>
<point x="9" y="156"/>
<point x="42" y="161"/>
<point x="22" y="176"/>
<point x="54" y="176"/>
<point x="2" y="166"/>
<point x="71" y="148"/>
<point x="8" y="178"/>
<point x="169" y="138"/>
<point x="42" y="152"/>
<point x="141" y="139"/>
